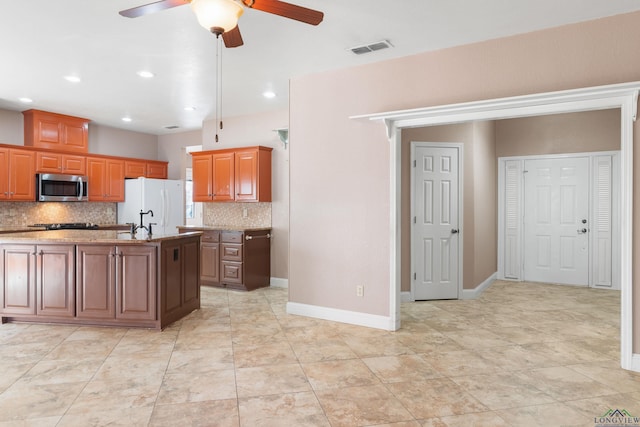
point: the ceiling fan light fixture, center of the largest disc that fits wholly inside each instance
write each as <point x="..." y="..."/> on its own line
<point x="217" y="16"/>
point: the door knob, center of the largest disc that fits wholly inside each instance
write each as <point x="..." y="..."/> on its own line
<point x="582" y="231"/>
<point x="454" y="230"/>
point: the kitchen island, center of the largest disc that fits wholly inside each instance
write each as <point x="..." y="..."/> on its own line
<point x="99" y="277"/>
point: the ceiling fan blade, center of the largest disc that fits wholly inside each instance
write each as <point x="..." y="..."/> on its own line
<point x="288" y="10"/>
<point x="232" y="38"/>
<point x="147" y="9"/>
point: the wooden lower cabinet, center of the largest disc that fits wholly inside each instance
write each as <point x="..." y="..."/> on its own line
<point x="234" y="259"/>
<point x="147" y="285"/>
<point x="38" y="280"/>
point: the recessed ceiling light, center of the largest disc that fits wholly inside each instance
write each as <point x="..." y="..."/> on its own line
<point x="126" y="119"/>
<point x="26" y="100"/>
<point x="145" y="74"/>
<point x="189" y="108"/>
<point x="269" y="94"/>
<point x="72" y="79"/>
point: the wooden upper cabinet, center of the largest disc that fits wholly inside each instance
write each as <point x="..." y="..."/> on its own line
<point x="157" y="169"/>
<point x="223" y="177"/>
<point x="55" y="131"/>
<point x="135" y="168"/>
<point x="60" y="163"/>
<point x="241" y="175"/>
<point x="106" y="179"/>
<point x="253" y="175"/>
<point x="17" y="175"/>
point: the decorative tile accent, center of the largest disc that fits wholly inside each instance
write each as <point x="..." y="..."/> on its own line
<point x="230" y="214"/>
<point x="25" y="213"/>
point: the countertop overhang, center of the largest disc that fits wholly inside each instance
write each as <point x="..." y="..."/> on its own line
<point x="91" y="236"/>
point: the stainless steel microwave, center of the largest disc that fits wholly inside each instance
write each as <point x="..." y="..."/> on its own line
<point x="51" y="187"/>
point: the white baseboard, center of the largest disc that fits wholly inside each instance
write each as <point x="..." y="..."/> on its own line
<point x="278" y="282"/>
<point x="478" y="290"/>
<point x="343" y="316"/>
<point x="635" y="362"/>
<point x="405" y="296"/>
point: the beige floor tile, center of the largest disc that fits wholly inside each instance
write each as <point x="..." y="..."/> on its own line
<point x="196" y="362"/>
<point x="113" y="395"/>
<point x="259" y="335"/>
<point x="129" y="417"/>
<point x="562" y="383"/>
<point x="429" y="342"/>
<point x="62" y="371"/>
<point x="501" y="391"/>
<point x="439" y="397"/>
<point x="275" y="379"/>
<point x="12" y="371"/>
<point x="116" y="368"/>
<point x="322" y="350"/>
<point x="213" y="413"/>
<point x="393" y="369"/>
<point x="361" y="406"/>
<point x="383" y="345"/>
<point x="479" y="419"/>
<point x="23" y="401"/>
<point x="339" y="374"/>
<point x="80" y="349"/>
<point x="33" y="422"/>
<point x="610" y="373"/>
<point x="294" y="409"/>
<point x="186" y="387"/>
<point x="188" y="341"/>
<point x="279" y="353"/>
<point x="462" y="363"/>
<point x="518" y="358"/>
<point x="551" y="415"/>
<point x="477" y="338"/>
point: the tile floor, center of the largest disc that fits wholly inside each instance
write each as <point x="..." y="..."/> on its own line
<point x="523" y="354"/>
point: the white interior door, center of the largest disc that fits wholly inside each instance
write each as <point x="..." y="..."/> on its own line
<point x="435" y="230"/>
<point x="556" y="226"/>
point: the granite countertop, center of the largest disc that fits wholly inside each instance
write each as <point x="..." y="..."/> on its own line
<point x="91" y="236"/>
<point x="222" y="228"/>
<point x="18" y="228"/>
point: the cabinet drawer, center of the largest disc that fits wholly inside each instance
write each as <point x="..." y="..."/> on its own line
<point x="232" y="236"/>
<point x="231" y="272"/>
<point x="210" y="236"/>
<point x="231" y="251"/>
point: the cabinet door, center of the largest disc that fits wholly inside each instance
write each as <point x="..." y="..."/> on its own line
<point x="157" y="170"/>
<point x="210" y="263"/>
<point x="47" y="130"/>
<point x="4" y="173"/>
<point x="55" y="280"/>
<point x="190" y="267"/>
<point x="246" y="175"/>
<point x="115" y="181"/>
<point x="134" y="169"/>
<point x="74" y="165"/>
<point x="231" y="272"/>
<point x="22" y="175"/>
<point x="136" y="283"/>
<point x="18" y="279"/>
<point x="75" y="133"/>
<point x="95" y="288"/>
<point x="223" y="177"/>
<point x="96" y="173"/>
<point x="202" y="167"/>
<point x="48" y="162"/>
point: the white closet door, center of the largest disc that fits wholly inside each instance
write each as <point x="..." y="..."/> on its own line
<point x="512" y="219"/>
<point x="601" y="228"/>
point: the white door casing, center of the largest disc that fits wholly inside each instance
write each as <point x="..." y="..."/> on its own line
<point x="556" y="220"/>
<point x="435" y="232"/>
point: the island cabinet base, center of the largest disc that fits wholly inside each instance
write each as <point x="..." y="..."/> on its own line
<point x="147" y="285"/>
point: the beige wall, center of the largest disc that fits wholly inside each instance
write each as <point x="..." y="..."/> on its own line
<point x="339" y="216"/>
<point x="11" y="127"/>
<point x="122" y="142"/>
<point x="559" y="133"/>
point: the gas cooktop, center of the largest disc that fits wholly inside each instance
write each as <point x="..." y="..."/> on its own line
<point x="68" y="226"/>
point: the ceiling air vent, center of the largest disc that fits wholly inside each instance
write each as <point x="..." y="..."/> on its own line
<point x="372" y="47"/>
<point x="172" y="127"/>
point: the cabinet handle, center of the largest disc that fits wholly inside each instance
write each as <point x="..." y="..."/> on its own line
<point x="262" y="236"/>
<point x="121" y="254"/>
<point x="12" y="193"/>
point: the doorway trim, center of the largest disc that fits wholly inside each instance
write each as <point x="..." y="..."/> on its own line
<point x="623" y="96"/>
<point x="460" y="219"/>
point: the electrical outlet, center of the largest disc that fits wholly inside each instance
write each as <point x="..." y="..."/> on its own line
<point x="245" y="213"/>
<point x="359" y="291"/>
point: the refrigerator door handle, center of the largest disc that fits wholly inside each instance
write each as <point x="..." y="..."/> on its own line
<point x="164" y="208"/>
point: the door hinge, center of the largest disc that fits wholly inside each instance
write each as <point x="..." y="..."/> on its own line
<point x="415" y="276"/>
<point x="415" y="220"/>
<point x="414" y="163"/>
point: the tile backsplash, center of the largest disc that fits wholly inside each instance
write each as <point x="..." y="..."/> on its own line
<point x="231" y="214"/>
<point x="25" y="213"/>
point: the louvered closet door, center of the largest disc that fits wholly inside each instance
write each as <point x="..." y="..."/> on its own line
<point x="556" y="226"/>
<point x="602" y="227"/>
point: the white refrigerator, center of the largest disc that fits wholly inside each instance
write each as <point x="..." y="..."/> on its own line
<point x="165" y="197"/>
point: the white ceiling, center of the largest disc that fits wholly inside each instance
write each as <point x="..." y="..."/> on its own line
<point x="41" y="41"/>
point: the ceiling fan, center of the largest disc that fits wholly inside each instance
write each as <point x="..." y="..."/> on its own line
<point x="221" y="16"/>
